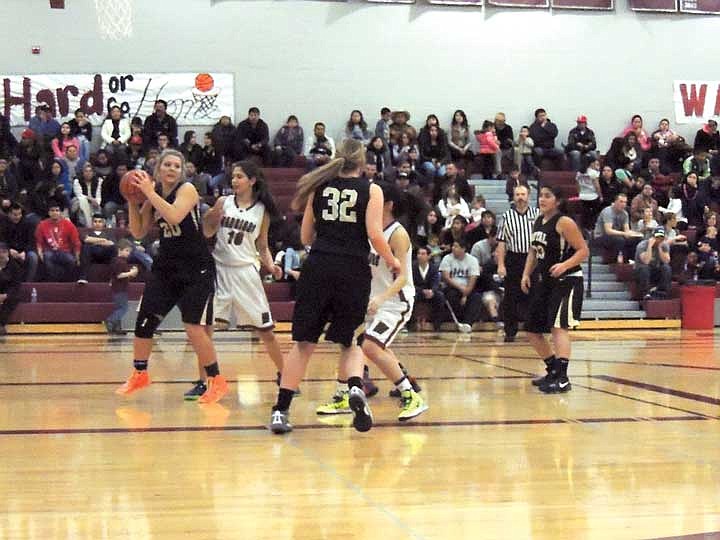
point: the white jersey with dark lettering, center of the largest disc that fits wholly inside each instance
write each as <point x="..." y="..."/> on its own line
<point x="237" y="234"/>
<point x="383" y="277"/>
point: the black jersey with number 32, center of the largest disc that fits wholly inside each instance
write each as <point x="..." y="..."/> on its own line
<point x="550" y="246"/>
<point x="182" y="245"/>
<point x="339" y="208"/>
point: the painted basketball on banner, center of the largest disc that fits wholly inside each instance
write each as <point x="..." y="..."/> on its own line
<point x="204" y="82"/>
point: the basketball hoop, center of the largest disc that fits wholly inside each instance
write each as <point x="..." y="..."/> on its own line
<point x="114" y="18"/>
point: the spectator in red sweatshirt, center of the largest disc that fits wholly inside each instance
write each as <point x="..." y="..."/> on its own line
<point x="58" y="245"/>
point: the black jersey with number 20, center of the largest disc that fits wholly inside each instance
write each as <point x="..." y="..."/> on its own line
<point x="550" y="247"/>
<point x="339" y="207"/>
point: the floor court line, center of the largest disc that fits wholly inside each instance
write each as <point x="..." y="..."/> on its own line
<point x="660" y="389"/>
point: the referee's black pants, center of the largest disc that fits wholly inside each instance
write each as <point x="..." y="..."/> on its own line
<point x="515" y="302"/>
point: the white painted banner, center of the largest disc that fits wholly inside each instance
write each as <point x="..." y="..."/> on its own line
<point x="193" y="98"/>
<point x="696" y="101"/>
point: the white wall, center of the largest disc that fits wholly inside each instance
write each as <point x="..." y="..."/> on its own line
<point x="320" y="60"/>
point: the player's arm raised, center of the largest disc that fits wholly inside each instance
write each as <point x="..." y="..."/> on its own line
<point x="261" y="244"/>
<point x="212" y="218"/>
<point x="373" y="225"/>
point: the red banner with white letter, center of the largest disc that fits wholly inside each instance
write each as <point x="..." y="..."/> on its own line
<point x="696" y="101"/>
<point x="711" y="7"/>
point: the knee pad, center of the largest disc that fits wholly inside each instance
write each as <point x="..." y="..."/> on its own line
<point x="146" y="324"/>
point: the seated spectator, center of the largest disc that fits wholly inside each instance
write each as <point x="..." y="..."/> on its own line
<point x="451" y="205"/>
<point x="319" y="149"/>
<point x="459" y="275"/>
<point x="19" y="235"/>
<point x="677" y="242"/>
<point x="693" y="201"/>
<point x="212" y="159"/>
<point x="697" y="163"/>
<point x="434" y="151"/>
<point x="401" y="149"/>
<point x="28" y="154"/>
<point x="64" y="139"/>
<point x="459" y="141"/>
<point x="543" y="133"/>
<point x="661" y="183"/>
<point x="58" y="244"/>
<point x="710" y="219"/>
<point x="8" y="142"/>
<point x="612" y="230"/>
<point x="426" y="277"/>
<point x="252" y="139"/>
<point x="581" y="145"/>
<point x="382" y="127"/>
<point x="72" y="166"/>
<point x="707" y="251"/>
<point x="151" y="157"/>
<point x="98" y="246"/>
<point x="429" y="231"/>
<point x="9" y="188"/>
<point x="416" y="168"/>
<point x="631" y="155"/>
<point x="81" y="128"/>
<point x="647" y="225"/>
<point x="58" y="176"/>
<point x="641" y="201"/>
<point x="505" y="137"/>
<point x="379" y="155"/>
<point x="590" y="193"/>
<point x="120" y="274"/>
<point x="160" y="123"/>
<point x="200" y="180"/>
<point x="636" y="128"/>
<point x="666" y="144"/>
<point x="485" y="148"/>
<point x="653" y="274"/>
<point x="400" y="123"/>
<point x="43" y="125"/>
<point x="10" y="281"/>
<point x="44" y="194"/>
<point x="455" y="232"/>
<point x="452" y="177"/>
<point x="477" y="209"/>
<point x="111" y="198"/>
<point x="163" y="143"/>
<point x="483" y="229"/>
<point x="356" y="128"/>
<point x="190" y="148"/>
<point x="115" y="131"/>
<point x="484" y="252"/>
<point x="102" y="164"/>
<point x="288" y="143"/>
<point x="636" y="186"/>
<point x="222" y="135"/>
<point x="136" y="127"/>
<point x="135" y="156"/>
<point x="712" y="192"/>
<point x="87" y="195"/>
<point x="708" y="139"/>
<point x="371" y="173"/>
<point x="523" y="153"/>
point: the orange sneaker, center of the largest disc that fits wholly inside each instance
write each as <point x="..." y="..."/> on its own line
<point x="217" y="387"/>
<point x="138" y="380"/>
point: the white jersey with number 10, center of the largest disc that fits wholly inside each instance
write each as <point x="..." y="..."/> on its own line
<point x="237" y="234"/>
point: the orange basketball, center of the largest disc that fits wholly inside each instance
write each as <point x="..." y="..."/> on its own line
<point x="128" y="188"/>
<point x="204" y="82"/>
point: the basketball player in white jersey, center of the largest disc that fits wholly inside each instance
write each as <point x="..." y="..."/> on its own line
<point x="392" y="296"/>
<point x="241" y="223"/>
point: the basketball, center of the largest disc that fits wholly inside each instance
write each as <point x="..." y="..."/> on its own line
<point x="204" y="82"/>
<point x="129" y="191"/>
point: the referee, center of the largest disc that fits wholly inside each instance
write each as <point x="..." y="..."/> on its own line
<point x="513" y="244"/>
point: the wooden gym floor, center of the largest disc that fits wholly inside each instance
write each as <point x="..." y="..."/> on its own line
<point x="632" y="452"/>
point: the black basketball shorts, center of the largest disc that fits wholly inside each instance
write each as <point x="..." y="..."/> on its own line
<point x="555" y="303"/>
<point x="334" y="290"/>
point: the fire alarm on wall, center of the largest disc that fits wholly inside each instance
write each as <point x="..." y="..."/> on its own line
<point x="35" y="50"/>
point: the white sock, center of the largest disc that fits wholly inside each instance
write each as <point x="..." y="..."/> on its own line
<point x="341" y="388"/>
<point x="404" y="385"/>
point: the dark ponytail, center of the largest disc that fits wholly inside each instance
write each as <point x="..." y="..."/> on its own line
<point x="260" y="187"/>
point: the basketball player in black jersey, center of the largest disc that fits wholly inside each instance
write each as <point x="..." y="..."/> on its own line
<point x="342" y="211"/>
<point x="556" y="294"/>
<point x="183" y="273"/>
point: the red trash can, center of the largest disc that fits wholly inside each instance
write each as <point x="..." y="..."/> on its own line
<point x="698" y="305"/>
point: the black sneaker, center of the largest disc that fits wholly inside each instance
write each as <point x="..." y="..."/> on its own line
<point x="363" y="419"/>
<point x="541" y="380"/>
<point x="556" y="385"/>
<point x="280" y="422"/>
<point x="196" y="391"/>
<point x="395" y="393"/>
<point x="509" y="339"/>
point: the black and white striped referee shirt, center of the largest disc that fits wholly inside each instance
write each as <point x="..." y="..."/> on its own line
<point x="516" y="229"/>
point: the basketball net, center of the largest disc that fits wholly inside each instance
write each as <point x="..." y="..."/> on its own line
<point x="205" y="103"/>
<point x="114" y="18"/>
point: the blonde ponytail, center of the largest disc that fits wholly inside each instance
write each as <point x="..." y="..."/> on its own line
<point x="350" y="156"/>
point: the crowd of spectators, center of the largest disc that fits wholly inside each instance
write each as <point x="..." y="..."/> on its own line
<point x="61" y="208"/>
